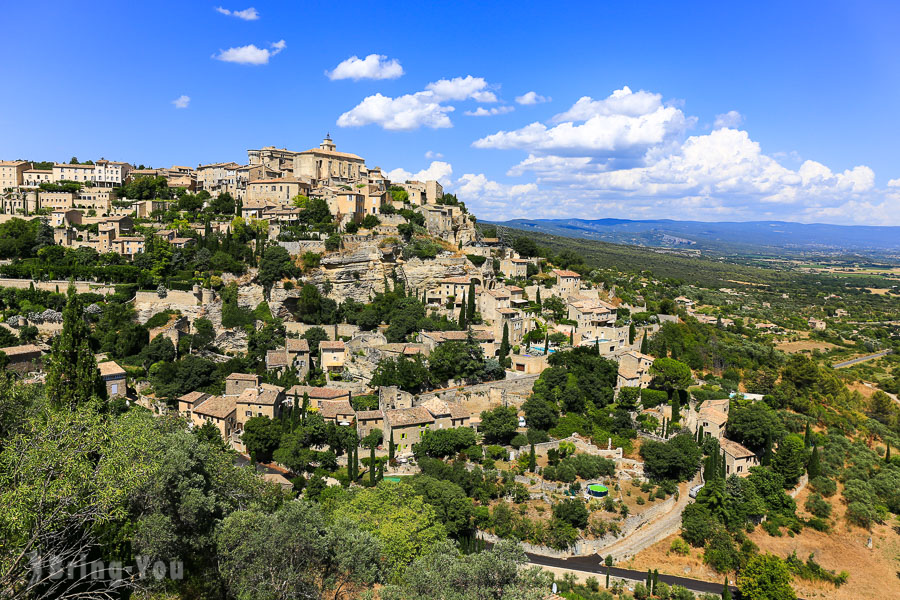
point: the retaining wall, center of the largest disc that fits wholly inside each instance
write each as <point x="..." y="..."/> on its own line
<point x="82" y="287"/>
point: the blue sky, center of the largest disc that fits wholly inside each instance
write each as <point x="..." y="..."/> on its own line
<point x="705" y="111"/>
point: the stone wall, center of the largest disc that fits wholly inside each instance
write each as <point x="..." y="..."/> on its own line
<point x="81" y="287"/>
<point x="512" y="391"/>
<point x="301" y="246"/>
<point x="343" y="329"/>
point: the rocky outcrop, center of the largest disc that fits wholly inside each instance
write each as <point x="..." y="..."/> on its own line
<point x="232" y="341"/>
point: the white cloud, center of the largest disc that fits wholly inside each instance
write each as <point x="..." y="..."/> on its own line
<point x="485" y="112"/>
<point x="250" y="54"/>
<point x="182" y="101"/>
<point x="629" y="156"/>
<point x="532" y="98"/>
<point x="427" y="108"/>
<point x="730" y="119"/>
<point x="430" y="154"/>
<point x="625" y="124"/>
<point x="436" y="171"/>
<point x="248" y="14"/>
<point x="493" y="200"/>
<point x="374" y="66"/>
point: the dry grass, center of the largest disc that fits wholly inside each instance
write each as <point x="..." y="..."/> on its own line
<point x="804" y="346"/>
<point x="873" y="571"/>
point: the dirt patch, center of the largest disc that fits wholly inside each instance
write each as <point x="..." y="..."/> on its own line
<point x="879" y="291"/>
<point x="804" y="346"/>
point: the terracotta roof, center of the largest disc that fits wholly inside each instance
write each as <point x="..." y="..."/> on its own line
<point x="499" y="293"/>
<point x="267" y="395"/>
<point x="110" y="368"/>
<point x="276" y="358"/>
<point x="734" y="449"/>
<point x="218" y="407"/>
<point x="193" y="397"/>
<point x="457" y="280"/>
<point x="242" y="377"/>
<point x="319" y="393"/>
<point x="18" y="350"/>
<point x="331" y="409"/>
<point x="402" y="417"/>
<point x="329" y="345"/>
<point x="296" y="345"/>
<point x="334" y="153"/>
<point x="713" y="415"/>
<point x="366" y="415"/>
<point x="565" y="273"/>
<point x="460" y="336"/>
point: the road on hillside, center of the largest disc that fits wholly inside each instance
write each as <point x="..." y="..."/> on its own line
<point x="594" y="564"/>
<point x="860" y="359"/>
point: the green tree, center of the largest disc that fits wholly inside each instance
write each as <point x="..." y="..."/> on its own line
<point x="504" y="347"/>
<point x="72" y="376"/>
<point x="790" y="459"/>
<point x="670" y="374"/>
<point x="398" y="517"/>
<point x="499" y="574"/>
<point x="294" y="552"/>
<point x="766" y="577"/>
<point x="261" y="437"/>
<point x="499" y="425"/>
<point x="274" y="264"/>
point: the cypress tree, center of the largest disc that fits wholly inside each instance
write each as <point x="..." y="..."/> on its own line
<point x="547" y="342"/>
<point x="726" y="591"/>
<point x="767" y="450"/>
<point x="305" y="407"/>
<point x="807" y="436"/>
<point x="372" y="465"/>
<point x="470" y="309"/>
<point x="72" y="375"/>
<point x="572" y="337"/>
<point x="532" y="459"/>
<point x="676" y="408"/>
<point x="814" y="468"/>
<point x="887" y="453"/>
<point x="538" y="299"/>
<point x="607" y="577"/>
<point x="649" y="580"/>
<point x="632" y="332"/>
<point x="655" y="579"/>
<point x="462" y="314"/>
<point x="645" y="346"/>
<point x="391" y="448"/>
<point x="504" y="346"/>
<point x="597" y="346"/>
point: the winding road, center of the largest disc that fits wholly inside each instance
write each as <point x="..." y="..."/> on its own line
<point x="853" y="361"/>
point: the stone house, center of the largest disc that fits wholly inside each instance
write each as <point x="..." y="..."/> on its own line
<point x="264" y="400"/>
<point x="24" y="358"/>
<point x="528" y="364"/>
<point x="114" y="378"/>
<point x="367" y="420"/>
<point x="514" y="268"/>
<point x="236" y="383"/>
<point x="738" y="459"/>
<point x="339" y="412"/>
<point x="218" y="410"/>
<point x="567" y="282"/>
<point x="406" y="425"/>
<point x="317" y="395"/>
<point x="294" y="355"/>
<point x="634" y="369"/>
<point x="333" y="356"/>
<point x="447" y="415"/>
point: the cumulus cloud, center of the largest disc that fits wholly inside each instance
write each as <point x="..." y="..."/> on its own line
<point x="730" y="119"/>
<point x="488" y="112"/>
<point x="431" y="154"/>
<point x="182" y="101"/>
<point x="531" y="98"/>
<point x="248" y="14"/>
<point x="629" y="155"/>
<point x="436" y="171"/>
<point x="374" y="66"/>
<point x="427" y="108"/>
<point x="250" y="54"/>
<point x="624" y="124"/>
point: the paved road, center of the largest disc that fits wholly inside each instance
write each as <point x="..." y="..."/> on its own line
<point x="652" y="532"/>
<point x="860" y="359"/>
<point x="594" y="564"/>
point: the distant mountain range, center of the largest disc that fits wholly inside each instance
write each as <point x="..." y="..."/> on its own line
<point x="778" y="237"/>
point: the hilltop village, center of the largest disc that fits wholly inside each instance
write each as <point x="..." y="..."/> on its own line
<point x="366" y="346"/>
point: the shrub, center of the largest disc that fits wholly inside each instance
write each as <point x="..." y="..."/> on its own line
<point x="824" y="486"/>
<point x="651" y="398"/>
<point x="818" y="506"/>
<point x="680" y="547"/>
<point x="476" y="259"/>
